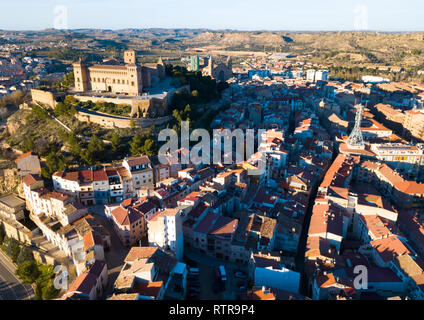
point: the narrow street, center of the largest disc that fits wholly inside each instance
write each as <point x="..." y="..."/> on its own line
<point x="301" y="249"/>
<point x="117" y="252"/>
<point x="300" y="256"/>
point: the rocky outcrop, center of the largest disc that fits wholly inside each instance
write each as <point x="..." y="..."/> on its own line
<point x="10" y="181"/>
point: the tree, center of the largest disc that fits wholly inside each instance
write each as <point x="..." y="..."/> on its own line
<point x="136" y="145"/>
<point x="150" y="148"/>
<point x="44" y="289"/>
<point x="54" y="162"/>
<point x="49" y="292"/>
<point x="28" y="272"/>
<point x="13" y="249"/>
<point x="64" y="109"/>
<point x="39" y="112"/>
<point x="116" y="141"/>
<point x="74" y="145"/>
<point x="28" y="144"/>
<point x="95" y="150"/>
<point x="2" y="234"/>
<point x="24" y="255"/>
<point x="132" y="124"/>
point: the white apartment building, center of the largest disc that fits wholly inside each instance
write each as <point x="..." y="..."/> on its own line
<point x="165" y="231"/>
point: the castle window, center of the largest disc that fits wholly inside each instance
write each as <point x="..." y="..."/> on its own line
<point x="132" y="83"/>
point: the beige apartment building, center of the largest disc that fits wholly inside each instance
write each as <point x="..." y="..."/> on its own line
<point x="414" y="124"/>
<point x="411" y="122"/>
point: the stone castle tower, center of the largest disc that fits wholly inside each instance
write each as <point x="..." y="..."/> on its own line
<point x="129" y="57"/>
<point x="81" y="76"/>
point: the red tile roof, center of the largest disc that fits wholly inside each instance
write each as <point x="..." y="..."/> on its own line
<point x="31" y="179"/>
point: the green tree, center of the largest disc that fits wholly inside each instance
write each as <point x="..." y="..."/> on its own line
<point x="2" y="234"/>
<point x="150" y="148"/>
<point x="24" y="255"/>
<point x="95" y="151"/>
<point x="38" y="290"/>
<point x="136" y="145"/>
<point x="28" y="272"/>
<point x="44" y="284"/>
<point x="39" y="112"/>
<point x="116" y="141"/>
<point x="132" y="124"/>
<point x="54" y="162"/>
<point x="49" y="292"/>
<point x="28" y="144"/>
<point x="13" y="249"/>
<point x="74" y="145"/>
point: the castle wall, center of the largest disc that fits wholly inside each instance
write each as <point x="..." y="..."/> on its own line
<point x="109" y="121"/>
<point x="43" y="97"/>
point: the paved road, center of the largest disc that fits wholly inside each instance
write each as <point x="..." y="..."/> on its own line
<point x="10" y="287"/>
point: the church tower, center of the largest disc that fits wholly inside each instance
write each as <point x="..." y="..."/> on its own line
<point x="160" y="66"/>
<point x="230" y="64"/>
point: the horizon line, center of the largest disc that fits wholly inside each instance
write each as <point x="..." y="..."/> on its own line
<point x="213" y="30"/>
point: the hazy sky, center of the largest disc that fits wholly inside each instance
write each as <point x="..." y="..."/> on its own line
<point x="383" y="15"/>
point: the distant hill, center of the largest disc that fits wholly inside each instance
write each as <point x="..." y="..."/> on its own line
<point x="335" y="48"/>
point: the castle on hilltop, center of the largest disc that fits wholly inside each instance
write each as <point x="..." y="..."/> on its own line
<point x="113" y="77"/>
